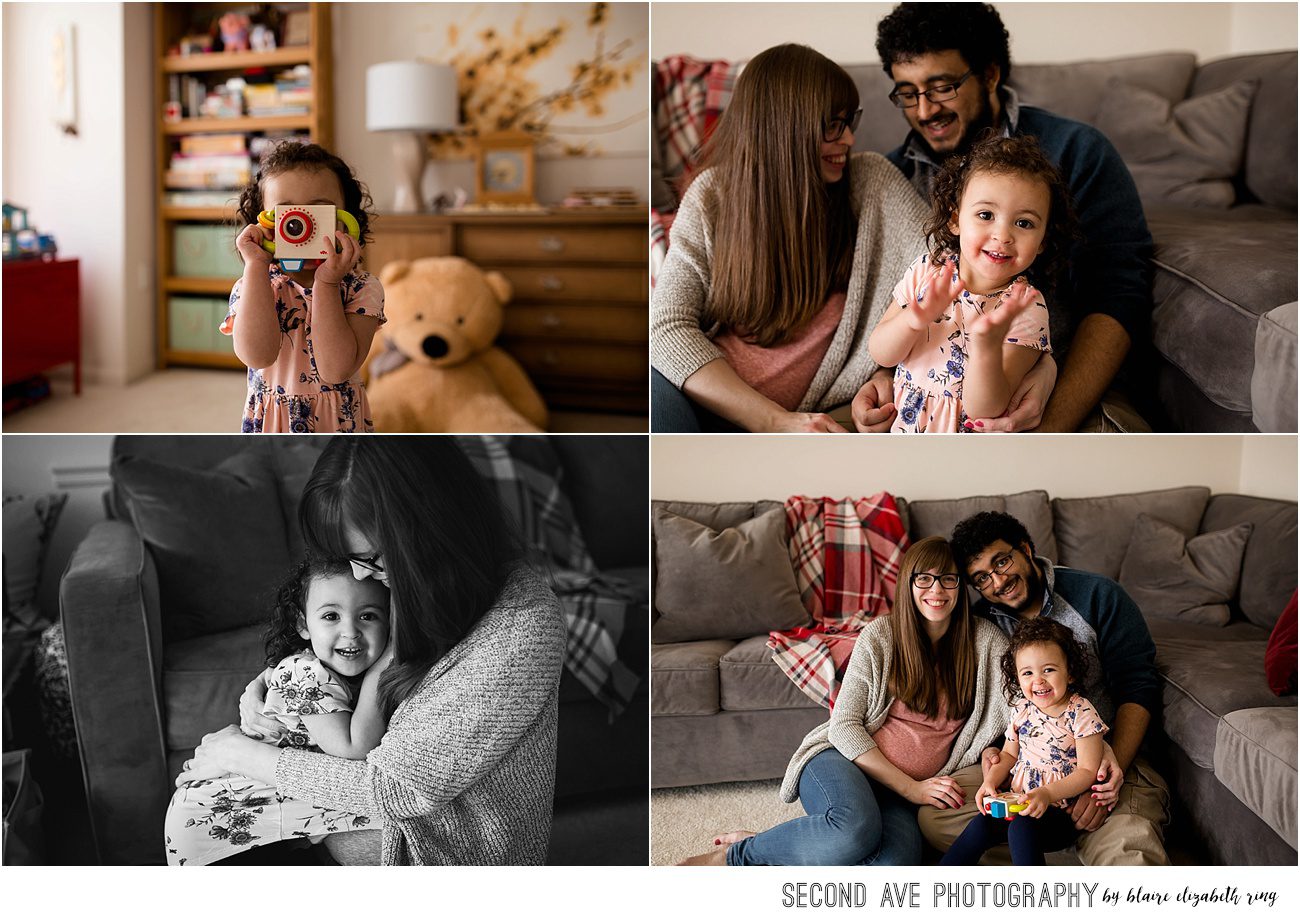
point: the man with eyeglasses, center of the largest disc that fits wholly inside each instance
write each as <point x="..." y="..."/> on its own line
<point x="949" y="63"/>
<point x="997" y="556"/>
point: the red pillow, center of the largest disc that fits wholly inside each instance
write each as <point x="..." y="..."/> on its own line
<point x="1280" y="654"/>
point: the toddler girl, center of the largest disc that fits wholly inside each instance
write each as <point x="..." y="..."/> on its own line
<point x="966" y="324"/>
<point x="328" y="644"/>
<point x="1054" y="747"/>
<point x="304" y="334"/>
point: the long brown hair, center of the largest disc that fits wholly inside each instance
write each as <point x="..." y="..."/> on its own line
<point x="783" y="237"/>
<point x="921" y="672"/>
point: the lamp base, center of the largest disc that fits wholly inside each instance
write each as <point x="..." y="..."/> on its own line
<point x="410" y="159"/>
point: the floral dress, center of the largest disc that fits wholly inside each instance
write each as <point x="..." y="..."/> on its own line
<point x="289" y="395"/>
<point x="928" y="382"/>
<point x="212" y="819"/>
<point x="1047" y="744"/>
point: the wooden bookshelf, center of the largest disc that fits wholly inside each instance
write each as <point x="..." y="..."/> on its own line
<point x="171" y="21"/>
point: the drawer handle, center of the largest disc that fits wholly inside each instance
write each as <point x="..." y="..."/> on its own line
<point x="552" y="283"/>
<point x="551" y="244"/>
<point x="551" y="321"/>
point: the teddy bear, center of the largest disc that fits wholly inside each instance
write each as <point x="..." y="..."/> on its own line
<point x="433" y="367"/>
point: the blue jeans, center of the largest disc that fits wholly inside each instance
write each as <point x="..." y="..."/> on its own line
<point x="851" y="821"/>
<point x="672" y="410"/>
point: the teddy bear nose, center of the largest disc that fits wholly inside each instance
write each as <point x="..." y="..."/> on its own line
<point x="435" y="346"/>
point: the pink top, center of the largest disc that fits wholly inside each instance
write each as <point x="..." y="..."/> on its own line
<point x="783" y="373"/>
<point x="916" y="743"/>
<point x="1047" y="744"/>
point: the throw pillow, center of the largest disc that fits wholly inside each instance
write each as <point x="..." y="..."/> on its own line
<point x="28" y="525"/>
<point x="728" y="584"/>
<point x="1171" y="576"/>
<point x="217" y="538"/>
<point x="1183" y="153"/>
<point x="1280" y="653"/>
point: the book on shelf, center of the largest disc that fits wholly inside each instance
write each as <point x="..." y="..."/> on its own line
<point x="199" y="198"/>
<point x="196" y="144"/>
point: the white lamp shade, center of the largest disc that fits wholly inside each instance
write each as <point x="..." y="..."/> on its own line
<point x="411" y="96"/>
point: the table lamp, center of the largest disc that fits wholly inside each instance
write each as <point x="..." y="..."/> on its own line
<point x="409" y="98"/>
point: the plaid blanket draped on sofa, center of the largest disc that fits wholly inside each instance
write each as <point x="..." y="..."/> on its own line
<point x="846" y="557"/>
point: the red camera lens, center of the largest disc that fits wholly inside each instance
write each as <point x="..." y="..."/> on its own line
<point x="295" y="227"/>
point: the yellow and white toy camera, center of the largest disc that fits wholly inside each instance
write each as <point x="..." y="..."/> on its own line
<point x="299" y="233"/>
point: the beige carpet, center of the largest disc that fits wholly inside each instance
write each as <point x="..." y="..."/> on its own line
<point x="684" y="821"/>
<point x="184" y="400"/>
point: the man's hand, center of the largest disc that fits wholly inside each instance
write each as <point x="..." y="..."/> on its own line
<point x="873" y="407"/>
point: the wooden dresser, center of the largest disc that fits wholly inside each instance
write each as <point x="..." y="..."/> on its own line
<point x="579" y="319"/>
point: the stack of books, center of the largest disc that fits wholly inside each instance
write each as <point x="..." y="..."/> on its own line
<point x="210" y="161"/>
<point x="290" y="94"/>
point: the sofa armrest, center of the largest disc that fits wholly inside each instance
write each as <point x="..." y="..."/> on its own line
<point x="1273" y="381"/>
<point x="109" y="601"/>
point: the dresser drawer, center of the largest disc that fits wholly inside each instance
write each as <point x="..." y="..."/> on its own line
<point x="565" y="321"/>
<point x="569" y="360"/>
<point x="492" y="244"/>
<point x="567" y="284"/>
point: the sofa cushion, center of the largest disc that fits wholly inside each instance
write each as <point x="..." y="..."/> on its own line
<point x="1205" y="681"/>
<point x="1270" y="168"/>
<point x="1215" y="274"/>
<point x="1273" y="382"/>
<point x="29" y="523"/>
<point x="1093" y="533"/>
<point x="203" y="679"/>
<point x="1169" y="575"/>
<point x="1268" y="570"/>
<point x="217" y="537"/>
<point x="730" y="583"/>
<point x="1255" y="757"/>
<point x="596" y="474"/>
<point x="1280" y="653"/>
<point x="1078" y="89"/>
<point x="685" y="677"/>
<point x="751" y="680"/>
<point x="937" y="517"/>
<point x="1185" y="152"/>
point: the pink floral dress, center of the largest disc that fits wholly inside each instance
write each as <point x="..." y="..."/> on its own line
<point x="289" y="395"/>
<point x="928" y="382"/>
<point x="1047" y="744"/>
<point x="213" y="819"/>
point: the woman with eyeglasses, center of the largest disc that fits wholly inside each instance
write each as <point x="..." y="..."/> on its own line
<point x="921" y="698"/>
<point x="465" y="772"/>
<point x="782" y="258"/>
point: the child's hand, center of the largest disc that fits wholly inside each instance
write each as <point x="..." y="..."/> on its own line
<point x="985" y="791"/>
<point x="940" y="286"/>
<point x="339" y="259"/>
<point x="249" y="244"/>
<point x="1036" y="803"/>
<point x="993" y="325"/>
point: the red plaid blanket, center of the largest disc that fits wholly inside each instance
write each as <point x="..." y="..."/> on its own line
<point x="691" y="96"/>
<point x="846" y="556"/>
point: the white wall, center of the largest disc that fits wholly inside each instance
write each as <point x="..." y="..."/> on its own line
<point x="732" y="468"/>
<point x="93" y="191"/>
<point x="1040" y="32"/>
<point x="76" y="464"/>
<point x="370" y="33"/>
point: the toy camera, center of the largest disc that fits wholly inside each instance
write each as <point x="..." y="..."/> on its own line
<point x="300" y="230"/>
<point x="1005" y="805"/>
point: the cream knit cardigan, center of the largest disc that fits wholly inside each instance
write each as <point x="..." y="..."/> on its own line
<point x="891" y="218"/>
<point x="864" y="700"/>
<point x="465" y="774"/>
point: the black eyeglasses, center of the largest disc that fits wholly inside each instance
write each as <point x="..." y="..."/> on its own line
<point x="948" y="580"/>
<point x="940" y="93"/>
<point x="1000" y="565"/>
<point x="833" y="128"/>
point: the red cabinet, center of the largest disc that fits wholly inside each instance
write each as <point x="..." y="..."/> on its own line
<point x="42" y="318"/>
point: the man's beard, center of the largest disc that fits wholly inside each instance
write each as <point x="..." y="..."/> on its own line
<point x="982" y="121"/>
<point x="1033" y="585"/>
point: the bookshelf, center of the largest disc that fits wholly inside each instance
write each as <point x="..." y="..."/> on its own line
<point x="196" y="242"/>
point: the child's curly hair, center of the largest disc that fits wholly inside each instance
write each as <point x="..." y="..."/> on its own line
<point x="281" y="636"/>
<point x="1042" y="631"/>
<point x="1007" y="156"/>
<point x="289" y="155"/>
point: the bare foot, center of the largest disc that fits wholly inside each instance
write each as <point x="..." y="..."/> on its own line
<point x="716" y="857"/>
<point x="726" y="840"/>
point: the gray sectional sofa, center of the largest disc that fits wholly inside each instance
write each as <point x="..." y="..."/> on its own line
<point x="1212" y="146"/>
<point x="722" y="711"/>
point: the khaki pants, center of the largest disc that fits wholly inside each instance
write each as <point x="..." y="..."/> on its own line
<point x="1133" y="834"/>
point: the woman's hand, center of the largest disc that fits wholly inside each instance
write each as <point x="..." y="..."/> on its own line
<point x="1110" y="777"/>
<point x="804" y="422"/>
<point x="210" y="757"/>
<point x="1036" y="803"/>
<point x="873" y="406"/>
<point x="251" y="701"/>
<point x="939" y="791"/>
<point x="249" y="244"/>
<point x="339" y="260"/>
<point x="1025" y="411"/>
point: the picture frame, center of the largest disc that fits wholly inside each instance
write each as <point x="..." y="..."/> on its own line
<point x="505" y="167"/>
